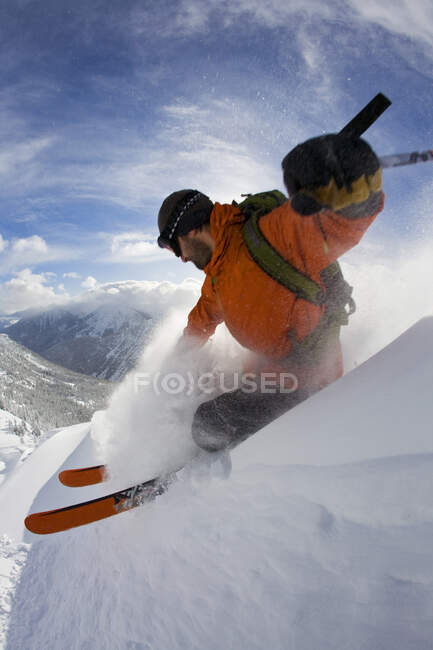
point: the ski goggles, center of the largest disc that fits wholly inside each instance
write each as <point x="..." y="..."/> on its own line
<point x="168" y="239"/>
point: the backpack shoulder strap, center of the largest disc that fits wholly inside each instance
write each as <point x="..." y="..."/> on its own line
<point x="335" y="297"/>
<point x="278" y="268"/>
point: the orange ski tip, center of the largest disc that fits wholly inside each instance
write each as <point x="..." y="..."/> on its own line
<point x="61" y="519"/>
<point x="83" y="476"/>
<point x="87" y="512"/>
<point x="36" y="525"/>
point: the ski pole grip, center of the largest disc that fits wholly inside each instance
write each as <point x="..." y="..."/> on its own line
<point x="367" y="116"/>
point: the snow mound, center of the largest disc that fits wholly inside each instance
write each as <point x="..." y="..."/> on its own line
<point x="382" y="408"/>
<point x="322" y="537"/>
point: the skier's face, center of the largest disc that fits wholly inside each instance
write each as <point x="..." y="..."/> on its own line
<point x="196" y="248"/>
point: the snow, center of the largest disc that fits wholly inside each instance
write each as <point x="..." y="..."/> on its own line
<point x="31" y="476"/>
<point x="31" y="358"/>
<point x="12" y="447"/>
<point x="12" y="560"/>
<point x="321" y="537"/>
<point x="382" y="408"/>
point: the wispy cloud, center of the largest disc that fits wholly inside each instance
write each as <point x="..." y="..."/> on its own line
<point x="19" y="156"/>
<point x="206" y="143"/>
<point x="191" y="17"/>
<point x="219" y="145"/>
<point x="213" y="147"/>
<point x="152" y="108"/>
<point x="409" y="18"/>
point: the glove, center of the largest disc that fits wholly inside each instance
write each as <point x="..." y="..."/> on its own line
<point x="334" y="171"/>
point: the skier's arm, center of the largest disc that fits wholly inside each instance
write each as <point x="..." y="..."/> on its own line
<point x="205" y="316"/>
<point x="335" y="186"/>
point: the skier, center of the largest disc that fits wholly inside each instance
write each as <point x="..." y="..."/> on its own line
<point x="272" y="277"/>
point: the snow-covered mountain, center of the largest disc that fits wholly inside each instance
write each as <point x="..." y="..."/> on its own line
<point x="103" y="332"/>
<point x="7" y="321"/>
<point x="105" y="343"/>
<point x="44" y="394"/>
<point x="322" y="536"/>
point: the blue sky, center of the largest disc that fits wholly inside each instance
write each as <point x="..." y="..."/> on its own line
<point x="108" y="106"/>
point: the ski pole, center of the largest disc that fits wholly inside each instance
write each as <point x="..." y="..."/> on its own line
<point x="367" y="116"/>
<point x="400" y="159"/>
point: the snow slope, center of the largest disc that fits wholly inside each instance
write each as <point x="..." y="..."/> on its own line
<point x="12" y="446"/>
<point x="322" y="537"/>
<point x="20" y="479"/>
<point x="14" y="449"/>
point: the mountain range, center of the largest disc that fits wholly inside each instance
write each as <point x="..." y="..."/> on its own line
<point x="45" y="395"/>
<point x="104" y="342"/>
<point x="104" y="331"/>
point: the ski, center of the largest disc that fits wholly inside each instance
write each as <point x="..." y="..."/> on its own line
<point x="84" y="476"/>
<point x="87" y="512"/>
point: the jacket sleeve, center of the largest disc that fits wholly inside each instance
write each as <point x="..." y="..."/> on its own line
<point x="313" y="242"/>
<point x="206" y="315"/>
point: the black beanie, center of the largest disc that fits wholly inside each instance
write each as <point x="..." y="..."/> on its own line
<point x="198" y="209"/>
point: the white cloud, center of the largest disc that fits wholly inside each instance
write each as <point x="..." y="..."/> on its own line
<point x="33" y="245"/>
<point x="72" y="274"/>
<point x="146" y="296"/>
<point x="27" y="290"/>
<point x="134" y="247"/>
<point x="89" y="283"/>
<point x="29" y="251"/>
<point x="30" y="290"/>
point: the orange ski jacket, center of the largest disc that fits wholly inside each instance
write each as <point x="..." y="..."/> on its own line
<point x="261" y="314"/>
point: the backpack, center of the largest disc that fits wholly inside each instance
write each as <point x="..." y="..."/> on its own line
<point x="336" y="297"/>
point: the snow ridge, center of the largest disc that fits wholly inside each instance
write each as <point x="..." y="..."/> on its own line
<point x="322" y="537"/>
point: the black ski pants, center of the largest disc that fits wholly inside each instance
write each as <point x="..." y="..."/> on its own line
<point x="230" y="418"/>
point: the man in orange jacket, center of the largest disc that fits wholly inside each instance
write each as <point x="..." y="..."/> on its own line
<point x="334" y="185"/>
